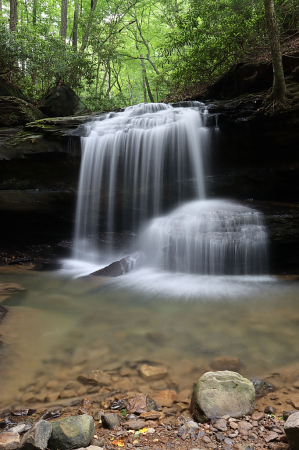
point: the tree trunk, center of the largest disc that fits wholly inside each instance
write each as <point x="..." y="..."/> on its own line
<point x="34" y="12"/>
<point x="86" y="35"/>
<point x="279" y="87"/>
<point x="13" y="15"/>
<point x="146" y="80"/>
<point x="63" y="23"/>
<point x="75" y="27"/>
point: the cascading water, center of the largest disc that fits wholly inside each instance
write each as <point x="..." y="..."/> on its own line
<point x="134" y="162"/>
<point x="139" y="162"/>
<point x="211" y="237"/>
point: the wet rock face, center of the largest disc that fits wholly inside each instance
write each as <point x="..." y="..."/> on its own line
<point x="63" y="101"/>
<point x="72" y="432"/>
<point x="217" y="394"/>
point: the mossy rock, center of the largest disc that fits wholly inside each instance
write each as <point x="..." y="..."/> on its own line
<point x="72" y="432"/>
<point x="7" y="89"/>
<point x="222" y="393"/>
<point x="15" y="111"/>
<point x="63" y="101"/>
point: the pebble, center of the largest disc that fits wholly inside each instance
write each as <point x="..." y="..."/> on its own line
<point x="165" y="398"/>
<point x="221" y="425"/>
<point x="220" y="437"/>
<point x="271" y="437"/>
<point x="137" y="404"/>
<point x="270" y="410"/>
<point x="18" y="429"/>
<point x="151" y="373"/>
<point x="244" y="425"/>
<point x="257" y="416"/>
<point x="135" y="424"/>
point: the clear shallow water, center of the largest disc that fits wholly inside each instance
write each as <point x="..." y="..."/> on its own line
<point x="64" y="326"/>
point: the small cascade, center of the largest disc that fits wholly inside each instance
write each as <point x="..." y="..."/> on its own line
<point x="133" y="163"/>
<point x="211" y="237"/>
<point x="148" y="159"/>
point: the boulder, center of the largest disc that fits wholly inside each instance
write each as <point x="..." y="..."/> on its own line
<point x="15" y="111"/>
<point x="37" y="437"/>
<point x="217" y="394"/>
<point x="116" y="269"/>
<point x="291" y="428"/>
<point x="72" y="432"/>
<point x="63" y="101"/>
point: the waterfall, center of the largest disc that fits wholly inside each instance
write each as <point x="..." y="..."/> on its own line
<point x="146" y="160"/>
<point x="133" y="162"/>
<point x="213" y="237"/>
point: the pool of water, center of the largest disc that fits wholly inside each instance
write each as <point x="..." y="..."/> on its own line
<point x="64" y="325"/>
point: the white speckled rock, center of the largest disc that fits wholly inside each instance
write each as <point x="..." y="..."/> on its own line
<point x="222" y="393"/>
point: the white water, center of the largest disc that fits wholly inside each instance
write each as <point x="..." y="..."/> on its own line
<point x="137" y="162"/>
<point x="212" y="237"/>
<point x="128" y="158"/>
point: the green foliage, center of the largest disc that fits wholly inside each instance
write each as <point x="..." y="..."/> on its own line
<point x="128" y="51"/>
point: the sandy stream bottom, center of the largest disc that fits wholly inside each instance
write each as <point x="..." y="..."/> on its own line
<point x="63" y="326"/>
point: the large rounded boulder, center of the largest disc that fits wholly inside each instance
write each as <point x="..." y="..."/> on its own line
<point x="72" y="432"/>
<point x="61" y="102"/>
<point x="222" y="393"/>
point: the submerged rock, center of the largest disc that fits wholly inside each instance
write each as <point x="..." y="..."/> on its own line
<point x="151" y="373"/>
<point x="226" y="363"/>
<point x="222" y="393"/>
<point x="10" y="288"/>
<point x="72" y="432"/>
<point x="95" y="377"/>
<point x="262" y="387"/>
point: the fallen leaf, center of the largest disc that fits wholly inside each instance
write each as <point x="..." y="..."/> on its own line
<point x="155" y="440"/>
<point x="135" y="442"/>
<point x="118" y="443"/>
<point x="131" y="431"/>
<point x="143" y="430"/>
